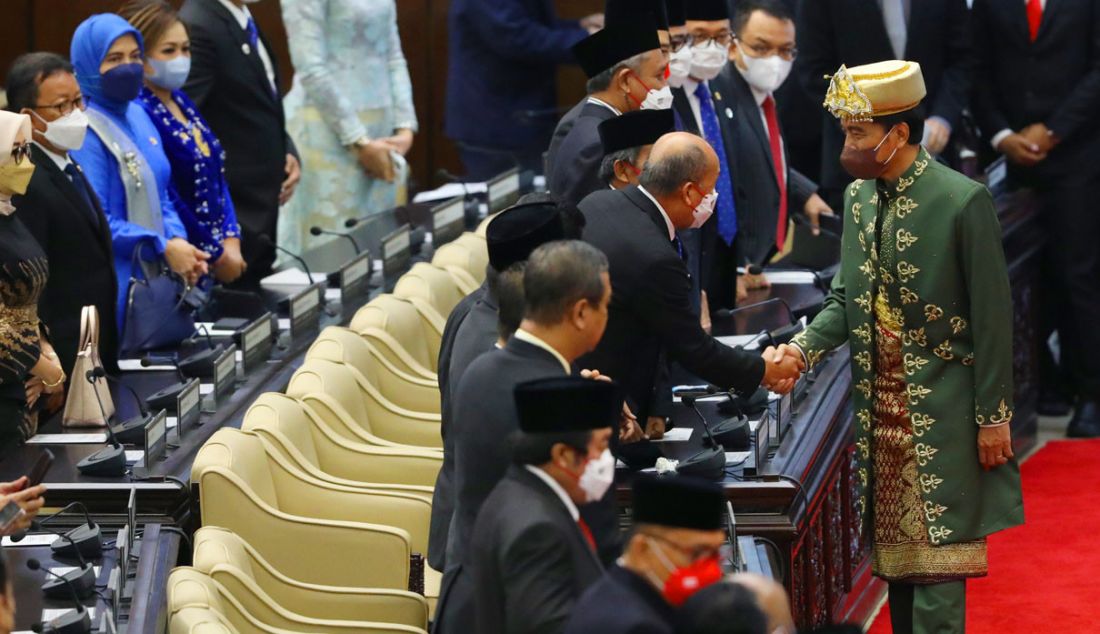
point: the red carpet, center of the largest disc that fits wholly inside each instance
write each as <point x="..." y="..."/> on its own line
<point x="1044" y="576"/>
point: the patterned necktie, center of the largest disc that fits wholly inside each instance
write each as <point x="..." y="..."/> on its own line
<point x="253" y="34"/>
<point x="893" y="16"/>
<point x="581" y="524"/>
<point x="777" y="162"/>
<point x="1034" y="17"/>
<point x="727" y="213"/>
<point x="82" y="191"/>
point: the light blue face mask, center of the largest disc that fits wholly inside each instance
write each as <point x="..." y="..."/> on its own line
<point x="170" y="74"/>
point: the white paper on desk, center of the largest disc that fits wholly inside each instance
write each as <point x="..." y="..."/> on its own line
<point x="133" y="455"/>
<point x="790" y="277"/>
<point x="450" y="190"/>
<point x="68" y="439"/>
<point x="737" y="457"/>
<point x="206" y="388"/>
<point x="207" y="328"/>
<point x="62" y="570"/>
<point x="676" y="434"/>
<point x="291" y="277"/>
<point x="52" y="613"/>
<point x="170" y="422"/>
<point x="332" y="294"/>
<point x="749" y="342"/>
<point x="134" y="365"/>
<point x="44" y="539"/>
<point x="284" y="323"/>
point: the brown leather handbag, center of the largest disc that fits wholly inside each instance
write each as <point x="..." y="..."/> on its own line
<point x="81" y="407"/>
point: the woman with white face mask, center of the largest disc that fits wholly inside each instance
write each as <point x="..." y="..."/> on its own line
<point x="198" y="169"/>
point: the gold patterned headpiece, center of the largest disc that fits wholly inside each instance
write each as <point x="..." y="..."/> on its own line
<point x="862" y="93"/>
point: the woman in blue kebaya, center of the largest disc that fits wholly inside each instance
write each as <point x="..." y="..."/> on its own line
<point x="123" y="157"/>
<point x="196" y="155"/>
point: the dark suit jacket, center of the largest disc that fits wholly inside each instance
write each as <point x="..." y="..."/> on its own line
<point x="621" y="603"/>
<point x="755" y="188"/>
<point x="852" y="32"/>
<point x="651" y="304"/>
<point x="529" y="563"/>
<point x="233" y="93"/>
<point x="501" y="88"/>
<point x="77" y="242"/>
<point x="1055" y="80"/>
<point x="573" y="165"/>
<point x="443" y="496"/>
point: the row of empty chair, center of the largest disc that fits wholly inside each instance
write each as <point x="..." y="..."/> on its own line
<point x="315" y="513"/>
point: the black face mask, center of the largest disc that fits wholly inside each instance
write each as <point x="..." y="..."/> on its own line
<point x="864" y="164"/>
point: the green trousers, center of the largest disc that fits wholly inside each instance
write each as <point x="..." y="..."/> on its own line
<point x="938" y="608"/>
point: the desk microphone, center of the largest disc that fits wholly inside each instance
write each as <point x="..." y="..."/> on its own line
<point x="79" y="622"/>
<point x="81" y="580"/>
<point x="130" y="431"/>
<point x="266" y="240"/>
<point x="84" y="541"/>
<point x="710" y="461"/>
<point x="318" y="231"/>
<point x="777" y="336"/>
<point x="109" y="462"/>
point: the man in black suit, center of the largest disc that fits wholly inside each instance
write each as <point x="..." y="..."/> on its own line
<point x="566" y="293"/>
<point x="532" y="554"/>
<point x="511" y="237"/>
<point x="234" y="80"/>
<point x="766" y="190"/>
<point x="672" y="553"/>
<point x="626" y="71"/>
<point x="650" y="314"/>
<point x="934" y="33"/>
<point x="1036" y="104"/>
<point x="61" y="209"/>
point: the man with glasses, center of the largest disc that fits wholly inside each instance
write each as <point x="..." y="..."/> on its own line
<point x="674" y="551"/>
<point x="60" y="208"/>
<point x="768" y="191"/>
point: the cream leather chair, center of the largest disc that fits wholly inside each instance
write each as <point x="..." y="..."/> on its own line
<point x="427" y="286"/>
<point x="484" y="225"/>
<point x="314" y="532"/>
<point x="189" y="588"/>
<point x="450" y="262"/>
<point x="467" y="253"/>
<point x="195" y="619"/>
<point x="396" y="329"/>
<point x="346" y="403"/>
<point x="296" y="432"/>
<point x="397" y="389"/>
<point x="244" y="572"/>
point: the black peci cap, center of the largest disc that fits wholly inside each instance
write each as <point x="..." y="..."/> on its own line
<point x="675" y="12"/>
<point x="517" y="231"/>
<point x="631" y="35"/>
<point x="615" y="10"/>
<point x="706" y="10"/>
<point x="565" y="404"/>
<point x="679" y="502"/>
<point x="635" y="129"/>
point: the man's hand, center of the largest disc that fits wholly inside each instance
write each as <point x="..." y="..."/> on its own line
<point x="655" y="427"/>
<point x="994" y="446"/>
<point x="1041" y="136"/>
<point x="782" y="368"/>
<point x="815" y="208"/>
<point x="748" y="282"/>
<point x="592" y="23"/>
<point x="30" y="500"/>
<point x="293" y="171"/>
<point x="936" y="134"/>
<point x="1018" y="149"/>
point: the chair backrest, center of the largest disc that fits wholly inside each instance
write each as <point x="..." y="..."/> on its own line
<point x="286" y="415"/>
<point x="479" y="251"/>
<point x="199" y="620"/>
<point x="243" y="459"/>
<point x="484" y="225"/>
<point x="431" y="284"/>
<point x="468" y="254"/>
<point x="333" y="393"/>
<point x="400" y="330"/>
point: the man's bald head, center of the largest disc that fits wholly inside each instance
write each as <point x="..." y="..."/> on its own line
<point x="682" y="168"/>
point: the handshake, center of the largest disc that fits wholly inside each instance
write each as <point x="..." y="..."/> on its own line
<point x="782" y="367"/>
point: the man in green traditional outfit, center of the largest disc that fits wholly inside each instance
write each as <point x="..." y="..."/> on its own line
<point x="922" y="298"/>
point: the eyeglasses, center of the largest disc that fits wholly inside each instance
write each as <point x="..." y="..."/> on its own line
<point x="65" y="107"/>
<point x="678" y="42"/>
<point x="787" y="53"/>
<point x="20" y="152"/>
<point x="722" y="39"/>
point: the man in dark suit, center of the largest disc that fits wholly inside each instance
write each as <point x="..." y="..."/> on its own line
<point x="501" y="91"/>
<point x="934" y="33"/>
<point x="1036" y="104"/>
<point x="532" y="554"/>
<point x="61" y="209"/>
<point x="626" y="71"/>
<point x="234" y="80"/>
<point x="566" y="293"/>
<point x="511" y="237"/>
<point x="650" y="314"/>
<point x="626" y="143"/>
<point x="766" y="190"/>
<point x="673" y="553"/>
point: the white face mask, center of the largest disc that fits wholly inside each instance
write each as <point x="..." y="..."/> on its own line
<point x="598" y="476"/>
<point x="766" y="74"/>
<point x="704" y="210"/>
<point x="707" y="60"/>
<point x="67" y="133"/>
<point x="658" y="99"/>
<point x="679" y="66"/>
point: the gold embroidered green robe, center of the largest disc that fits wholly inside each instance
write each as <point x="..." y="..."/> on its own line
<point x="946" y="284"/>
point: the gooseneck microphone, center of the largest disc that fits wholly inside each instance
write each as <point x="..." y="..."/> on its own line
<point x="266" y="240"/>
<point x="87" y="539"/>
<point x="109" y="462"/>
<point x="710" y="461"/>
<point x="80" y="580"/>
<point x="79" y="622"/>
<point x="318" y="231"/>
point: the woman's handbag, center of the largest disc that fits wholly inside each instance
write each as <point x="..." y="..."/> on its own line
<point x="159" y="308"/>
<point x="81" y="407"/>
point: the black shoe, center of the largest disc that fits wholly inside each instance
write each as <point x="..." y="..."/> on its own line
<point x="1054" y="403"/>
<point x="1086" y="420"/>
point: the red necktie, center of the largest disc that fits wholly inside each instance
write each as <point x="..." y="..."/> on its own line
<point x="777" y="161"/>
<point x="581" y="524"/>
<point x="1034" y="17"/>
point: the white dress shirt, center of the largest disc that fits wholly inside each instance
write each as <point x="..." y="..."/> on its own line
<point x="62" y="160"/>
<point x="668" y="221"/>
<point x="600" y="102"/>
<point x="242" y="14"/>
<point x="689" y="89"/>
<point x="525" y="336"/>
<point x="556" y="488"/>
